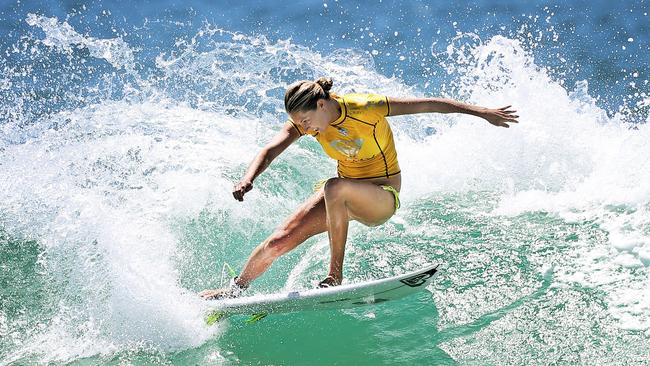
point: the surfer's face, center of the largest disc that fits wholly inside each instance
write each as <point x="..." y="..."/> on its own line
<point x="315" y="120"/>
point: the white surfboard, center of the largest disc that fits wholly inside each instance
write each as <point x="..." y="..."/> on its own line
<point x="338" y="297"/>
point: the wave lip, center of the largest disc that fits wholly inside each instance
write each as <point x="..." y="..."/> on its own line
<point x="63" y="36"/>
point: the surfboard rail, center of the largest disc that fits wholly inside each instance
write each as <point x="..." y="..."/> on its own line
<point x="337" y="297"/>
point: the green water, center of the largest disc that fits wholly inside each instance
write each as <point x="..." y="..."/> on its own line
<point x="500" y="298"/>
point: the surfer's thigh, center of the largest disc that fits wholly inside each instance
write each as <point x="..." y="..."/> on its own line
<point x="307" y="220"/>
<point x="366" y="202"/>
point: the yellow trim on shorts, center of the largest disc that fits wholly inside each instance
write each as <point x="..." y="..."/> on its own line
<point x="395" y="193"/>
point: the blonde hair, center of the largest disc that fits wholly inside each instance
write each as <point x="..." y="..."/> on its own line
<point x="302" y="95"/>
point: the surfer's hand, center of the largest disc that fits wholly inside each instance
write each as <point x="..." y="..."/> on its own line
<point x="241" y="188"/>
<point x="501" y="116"/>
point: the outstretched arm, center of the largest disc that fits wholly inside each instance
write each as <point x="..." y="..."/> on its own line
<point x="278" y="144"/>
<point x="498" y="117"/>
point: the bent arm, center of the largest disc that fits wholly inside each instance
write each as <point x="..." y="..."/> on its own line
<point x="497" y="117"/>
<point x="277" y="145"/>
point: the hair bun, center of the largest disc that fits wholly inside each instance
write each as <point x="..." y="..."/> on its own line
<point x="325" y="83"/>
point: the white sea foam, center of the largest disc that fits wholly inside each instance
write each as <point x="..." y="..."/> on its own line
<point x="566" y="157"/>
<point x="101" y="196"/>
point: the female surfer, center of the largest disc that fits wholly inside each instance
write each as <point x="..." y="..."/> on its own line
<point x="353" y="130"/>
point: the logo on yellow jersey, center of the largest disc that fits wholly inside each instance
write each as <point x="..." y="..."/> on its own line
<point x="349" y="148"/>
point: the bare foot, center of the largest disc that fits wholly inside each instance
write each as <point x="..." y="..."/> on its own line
<point x="329" y="281"/>
<point x="217" y="294"/>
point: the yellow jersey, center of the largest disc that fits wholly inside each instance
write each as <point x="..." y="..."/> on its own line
<point x="360" y="139"/>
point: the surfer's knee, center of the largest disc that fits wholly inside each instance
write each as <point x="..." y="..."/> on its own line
<point x="334" y="188"/>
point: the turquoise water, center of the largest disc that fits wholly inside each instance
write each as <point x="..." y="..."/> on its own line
<point x="123" y="129"/>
